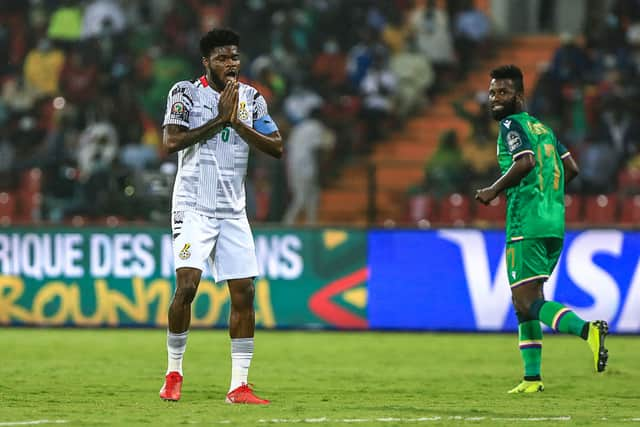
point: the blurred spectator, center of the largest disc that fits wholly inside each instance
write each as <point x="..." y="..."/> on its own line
<point x="65" y="24"/>
<point x="446" y="171"/>
<point x="60" y="187"/>
<point x="42" y="69"/>
<point x="341" y="113"/>
<point x="414" y="76"/>
<point x="433" y="36"/>
<point x="377" y="90"/>
<point x="300" y="102"/>
<point x="479" y="148"/>
<point x="313" y="53"/>
<point x="267" y="80"/>
<point x="472" y="31"/>
<point x="570" y="63"/>
<point x="633" y="38"/>
<point x="168" y="67"/>
<point x="17" y="97"/>
<point x="307" y="140"/>
<point x="213" y="13"/>
<point x="395" y="31"/>
<point x="598" y="168"/>
<point x="101" y="16"/>
<point x="15" y="35"/>
<point x="360" y="56"/>
<point x="79" y="79"/>
<point x="330" y="65"/>
<point x="619" y="127"/>
<point x="574" y="114"/>
<point x="97" y="148"/>
<point x="545" y="101"/>
<point x="7" y="157"/>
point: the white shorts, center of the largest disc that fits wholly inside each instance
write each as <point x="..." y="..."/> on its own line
<point x="227" y="244"/>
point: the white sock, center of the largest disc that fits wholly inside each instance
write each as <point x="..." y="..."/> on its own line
<point x="241" y="354"/>
<point x="176" y="345"/>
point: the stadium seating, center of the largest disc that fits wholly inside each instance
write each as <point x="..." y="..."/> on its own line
<point x="491" y="214"/>
<point x="601" y="209"/>
<point x="630" y="210"/>
<point x="29" y="194"/>
<point x="7" y="208"/>
<point x="455" y="210"/>
<point x="629" y="181"/>
<point x="416" y="142"/>
<point x="573" y="208"/>
<point x="422" y="207"/>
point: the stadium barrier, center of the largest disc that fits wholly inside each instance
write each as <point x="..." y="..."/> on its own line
<point x="448" y="279"/>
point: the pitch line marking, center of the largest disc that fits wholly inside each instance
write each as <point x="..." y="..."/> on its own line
<point x="32" y="422"/>
<point x="405" y="420"/>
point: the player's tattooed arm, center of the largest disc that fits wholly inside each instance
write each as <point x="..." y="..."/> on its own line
<point x="518" y="170"/>
<point x="176" y="137"/>
<point x="270" y="144"/>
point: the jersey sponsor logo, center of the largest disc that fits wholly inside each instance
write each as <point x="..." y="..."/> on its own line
<point x="179" y="112"/>
<point x="185" y="253"/>
<point x="513" y="141"/>
<point x="243" y="114"/>
<point x="507" y="123"/>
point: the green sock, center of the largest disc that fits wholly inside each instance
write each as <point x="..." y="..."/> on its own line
<point x="557" y="317"/>
<point x="530" y="340"/>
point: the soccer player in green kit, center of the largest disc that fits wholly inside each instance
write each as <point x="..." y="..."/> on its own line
<point x="535" y="169"/>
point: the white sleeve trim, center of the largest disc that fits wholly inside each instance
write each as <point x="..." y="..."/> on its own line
<point x="515" y="156"/>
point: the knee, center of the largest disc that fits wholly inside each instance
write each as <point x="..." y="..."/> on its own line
<point x="242" y="293"/>
<point x="187" y="288"/>
<point x="522" y="307"/>
<point x="186" y="293"/>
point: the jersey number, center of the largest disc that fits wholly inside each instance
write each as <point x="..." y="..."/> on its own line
<point x="511" y="257"/>
<point x="225" y="134"/>
<point x="549" y="152"/>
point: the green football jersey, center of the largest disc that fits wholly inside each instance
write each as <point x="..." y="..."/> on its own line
<point x="535" y="207"/>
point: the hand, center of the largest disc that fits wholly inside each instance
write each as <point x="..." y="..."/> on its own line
<point x="228" y="101"/>
<point x="235" y="121"/>
<point x="486" y="195"/>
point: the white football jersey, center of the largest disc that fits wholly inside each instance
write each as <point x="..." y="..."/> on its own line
<point x="211" y="174"/>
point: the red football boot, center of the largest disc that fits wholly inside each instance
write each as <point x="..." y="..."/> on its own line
<point x="244" y="394"/>
<point x="172" y="386"/>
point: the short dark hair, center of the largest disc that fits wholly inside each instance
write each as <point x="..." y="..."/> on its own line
<point x="216" y="38"/>
<point x="510" y="72"/>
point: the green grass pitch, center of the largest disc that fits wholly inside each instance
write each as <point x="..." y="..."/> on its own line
<point x="112" y="377"/>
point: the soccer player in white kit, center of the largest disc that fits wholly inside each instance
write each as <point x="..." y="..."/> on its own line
<point x="212" y="122"/>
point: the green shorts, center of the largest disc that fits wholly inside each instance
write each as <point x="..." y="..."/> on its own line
<point x="532" y="259"/>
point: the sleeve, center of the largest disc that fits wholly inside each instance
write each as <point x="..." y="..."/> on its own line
<point x="179" y="104"/>
<point x="563" y="151"/>
<point x="515" y="138"/>
<point x="262" y="121"/>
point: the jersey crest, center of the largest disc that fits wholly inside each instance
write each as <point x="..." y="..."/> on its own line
<point x="243" y="113"/>
<point x="185" y="253"/>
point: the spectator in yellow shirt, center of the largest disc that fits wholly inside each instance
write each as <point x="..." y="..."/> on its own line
<point x="42" y="69"/>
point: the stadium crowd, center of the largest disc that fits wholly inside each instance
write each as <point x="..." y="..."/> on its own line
<point x="588" y="93"/>
<point x="84" y="86"/>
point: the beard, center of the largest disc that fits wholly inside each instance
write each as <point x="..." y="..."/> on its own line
<point x="508" y="109"/>
<point x="217" y="81"/>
